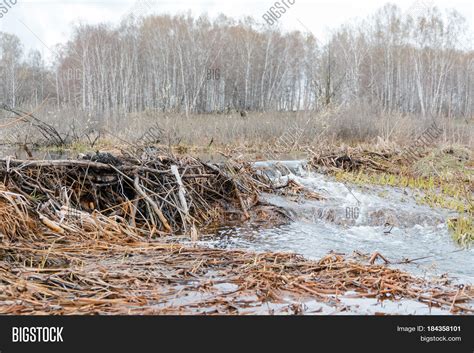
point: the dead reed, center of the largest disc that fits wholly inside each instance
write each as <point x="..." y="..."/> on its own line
<point x="159" y="278"/>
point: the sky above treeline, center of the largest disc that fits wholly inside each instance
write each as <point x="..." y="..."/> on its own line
<point x="41" y="24"/>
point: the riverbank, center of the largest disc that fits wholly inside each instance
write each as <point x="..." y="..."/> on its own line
<point x="84" y="237"/>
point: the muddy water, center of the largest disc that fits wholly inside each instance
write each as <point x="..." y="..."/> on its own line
<point x="356" y="219"/>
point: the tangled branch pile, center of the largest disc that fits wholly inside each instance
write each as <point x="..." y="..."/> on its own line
<point x="358" y="158"/>
<point x="157" y="193"/>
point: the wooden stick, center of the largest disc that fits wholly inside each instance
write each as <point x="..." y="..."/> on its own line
<point x="155" y="207"/>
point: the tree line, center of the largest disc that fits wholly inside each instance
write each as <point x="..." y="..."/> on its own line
<point x="392" y="61"/>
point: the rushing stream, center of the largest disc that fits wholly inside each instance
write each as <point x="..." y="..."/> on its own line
<point x="352" y="219"/>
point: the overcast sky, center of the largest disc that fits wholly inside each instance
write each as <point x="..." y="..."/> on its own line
<point x="41" y="24"/>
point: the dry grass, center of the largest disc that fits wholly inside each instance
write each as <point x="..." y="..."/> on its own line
<point x="283" y="131"/>
<point x="297" y="130"/>
<point x="111" y="273"/>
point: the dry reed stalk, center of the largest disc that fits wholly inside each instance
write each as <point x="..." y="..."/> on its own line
<point x="157" y="278"/>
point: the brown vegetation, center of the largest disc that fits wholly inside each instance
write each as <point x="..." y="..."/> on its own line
<point x="114" y="274"/>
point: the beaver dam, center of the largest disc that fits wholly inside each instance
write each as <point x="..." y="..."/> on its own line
<point x="165" y="235"/>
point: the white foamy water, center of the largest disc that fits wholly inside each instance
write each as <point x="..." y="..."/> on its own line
<point x="352" y="219"/>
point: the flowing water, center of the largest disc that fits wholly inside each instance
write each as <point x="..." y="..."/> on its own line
<point x="357" y="219"/>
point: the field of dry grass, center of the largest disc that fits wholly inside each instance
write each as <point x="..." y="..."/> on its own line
<point x="281" y="131"/>
<point x="295" y="129"/>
